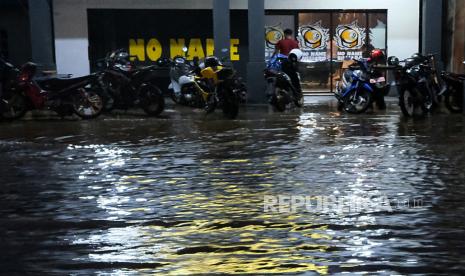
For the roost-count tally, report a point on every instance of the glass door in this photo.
(314, 40)
(349, 41)
(330, 40)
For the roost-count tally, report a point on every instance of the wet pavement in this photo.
(184, 194)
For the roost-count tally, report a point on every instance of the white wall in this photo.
(71, 37)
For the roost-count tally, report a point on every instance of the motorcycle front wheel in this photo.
(152, 100)
(407, 102)
(87, 104)
(454, 101)
(14, 107)
(357, 102)
(231, 105)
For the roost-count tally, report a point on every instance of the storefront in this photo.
(329, 31)
(328, 38)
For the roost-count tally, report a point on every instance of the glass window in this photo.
(377, 26)
(314, 40)
(350, 35)
(329, 41)
(274, 31)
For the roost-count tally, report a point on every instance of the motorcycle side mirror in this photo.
(393, 61)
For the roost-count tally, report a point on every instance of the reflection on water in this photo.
(185, 194)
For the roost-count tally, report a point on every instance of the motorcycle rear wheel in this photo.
(152, 100)
(14, 107)
(88, 104)
(281, 99)
(407, 103)
(299, 102)
(298, 98)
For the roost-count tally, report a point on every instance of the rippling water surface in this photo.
(185, 194)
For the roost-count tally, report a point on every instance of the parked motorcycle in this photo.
(283, 81)
(228, 91)
(453, 91)
(358, 87)
(124, 85)
(415, 80)
(187, 87)
(64, 96)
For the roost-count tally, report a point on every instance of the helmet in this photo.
(418, 57)
(212, 61)
(295, 55)
(121, 57)
(410, 62)
(377, 55)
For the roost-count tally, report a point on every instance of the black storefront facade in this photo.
(82, 32)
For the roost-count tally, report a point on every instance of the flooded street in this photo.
(185, 193)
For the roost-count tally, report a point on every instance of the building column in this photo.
(432, 17)
(221, 28)
(256, 64)
(40, 17)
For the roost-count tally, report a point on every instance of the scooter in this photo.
(186, 87)
(280, 88)
(359, 84)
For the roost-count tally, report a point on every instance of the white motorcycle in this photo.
(185, 87)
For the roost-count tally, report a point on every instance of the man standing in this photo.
(284, 47)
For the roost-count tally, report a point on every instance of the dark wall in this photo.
(14, 26)
(113, 29)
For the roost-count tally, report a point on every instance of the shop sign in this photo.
(152, 49)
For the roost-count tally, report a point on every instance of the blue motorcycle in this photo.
(355, 93)
(281, 89)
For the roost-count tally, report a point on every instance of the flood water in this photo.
(184, 194)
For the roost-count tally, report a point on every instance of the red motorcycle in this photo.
(65, 96)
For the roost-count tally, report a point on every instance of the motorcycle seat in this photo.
(458, 76)
(453, 76)
(61, 83)
(270, 72)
